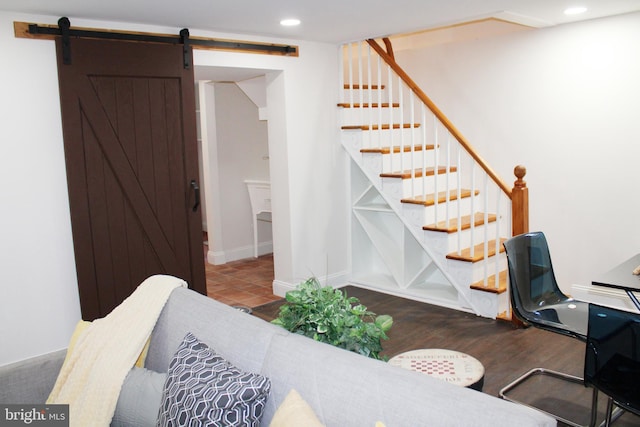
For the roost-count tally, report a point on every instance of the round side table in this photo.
(448, 365)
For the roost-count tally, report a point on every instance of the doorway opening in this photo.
(233, 145)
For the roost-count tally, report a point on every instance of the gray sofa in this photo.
(343, 388)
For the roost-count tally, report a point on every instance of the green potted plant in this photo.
(329, 315)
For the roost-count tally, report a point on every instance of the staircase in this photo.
(428, 215)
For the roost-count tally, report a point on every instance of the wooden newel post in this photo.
(520, 202)
(519, 215)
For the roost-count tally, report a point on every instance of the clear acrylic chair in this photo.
(612, 358)
(537, 300)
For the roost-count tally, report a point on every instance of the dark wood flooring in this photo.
(506, 352)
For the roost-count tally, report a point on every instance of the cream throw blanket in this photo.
(92, 375)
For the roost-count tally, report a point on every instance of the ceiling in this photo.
(332, 21)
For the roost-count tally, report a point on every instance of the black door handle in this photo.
(196, 191)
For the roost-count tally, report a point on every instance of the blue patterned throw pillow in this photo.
(203, 389)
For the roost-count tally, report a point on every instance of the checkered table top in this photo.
(448, 365)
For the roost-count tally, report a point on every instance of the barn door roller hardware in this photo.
(64, 24)
(186, 50)
(64, 30)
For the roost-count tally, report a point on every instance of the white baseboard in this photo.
(216, 258)
(281, 288)
(225, 256)
(601, 295)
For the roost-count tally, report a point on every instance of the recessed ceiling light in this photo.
(575, 10)
(290, 22)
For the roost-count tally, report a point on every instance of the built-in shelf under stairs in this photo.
(427, 223)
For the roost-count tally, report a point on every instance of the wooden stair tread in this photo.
(366, 105)
(429, 200)
(383, 127)
(364, 86)
(396, 149)
(430, 171)
(465, 223)
(491, 284)
(465, 254)
(504, 317)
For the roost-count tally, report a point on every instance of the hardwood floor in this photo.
(506, 352)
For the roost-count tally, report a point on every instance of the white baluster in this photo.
(379, 102)
(370, 91)
(486, 229)
(341, 76)
(402, 142)
(447, 183)
(436, 161)
(412, 142)
(361, 82)
(424, 150)
(473, 206)
(351, 75)
(459, 197)
(498, 221)
(392, 154)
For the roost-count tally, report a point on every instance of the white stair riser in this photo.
(444, 243)
(419, 215)
(388, 137)
(471, 272)
(378, 115)
(404, 188)
(356, 139)
(397, 162)
(373, 164)
(489, 304)
(365, 116)
(364, 96)
(401, 161)
(352, 141)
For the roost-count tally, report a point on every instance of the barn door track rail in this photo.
(64, 30)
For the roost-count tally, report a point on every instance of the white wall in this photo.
(307, 164)
(564, 102)
(201, 166)
(38, 291)
(38, 286)
(243, 153)
(234, 142)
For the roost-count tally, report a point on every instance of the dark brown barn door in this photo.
(128, 113)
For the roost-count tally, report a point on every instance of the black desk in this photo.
(621, 277)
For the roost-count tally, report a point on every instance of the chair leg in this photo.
(594, 407)
(612, 414)
(607, 420)
(559, 375)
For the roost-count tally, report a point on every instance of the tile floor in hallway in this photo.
(246, 282)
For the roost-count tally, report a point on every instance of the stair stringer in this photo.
(467, 300)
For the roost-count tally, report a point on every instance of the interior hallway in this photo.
(246, 282)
